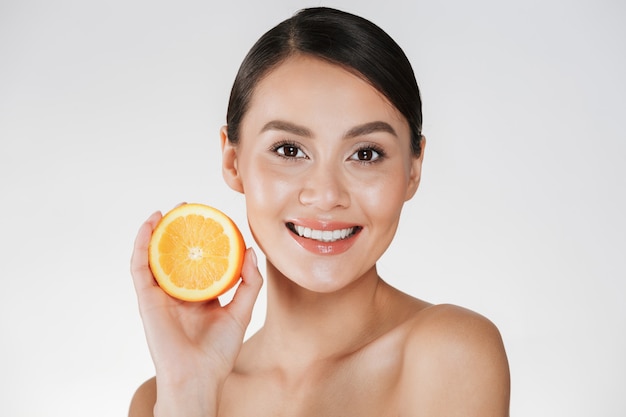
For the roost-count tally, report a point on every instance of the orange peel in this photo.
(196, 252)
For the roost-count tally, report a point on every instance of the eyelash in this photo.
(369, 147)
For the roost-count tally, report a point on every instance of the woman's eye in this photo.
(289, 151)
(366, 155)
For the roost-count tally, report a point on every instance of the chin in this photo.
(319, 278)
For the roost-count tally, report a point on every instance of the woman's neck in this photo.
(308, 327)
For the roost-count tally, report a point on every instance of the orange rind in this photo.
(196, 253)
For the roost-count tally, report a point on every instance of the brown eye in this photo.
(289, 151)
(366, 155)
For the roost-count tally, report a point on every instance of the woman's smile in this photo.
(322, 235)
(325, 238)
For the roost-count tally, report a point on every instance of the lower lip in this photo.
(326, 248)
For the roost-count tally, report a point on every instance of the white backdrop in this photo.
(110, 110)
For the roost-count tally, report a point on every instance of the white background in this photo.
(110, 110)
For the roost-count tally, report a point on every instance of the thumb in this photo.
(248, 291)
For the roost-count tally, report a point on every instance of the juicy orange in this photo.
(196, 253)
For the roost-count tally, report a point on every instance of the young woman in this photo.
(323, 138)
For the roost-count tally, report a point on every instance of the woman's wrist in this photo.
(190, 398)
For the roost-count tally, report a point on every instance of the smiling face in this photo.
(325, 163)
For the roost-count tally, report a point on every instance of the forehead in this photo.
(319, 94)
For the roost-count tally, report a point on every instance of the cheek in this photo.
(265, 188)
(385, 195)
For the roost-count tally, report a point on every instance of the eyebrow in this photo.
(287, 127)
(371, 127)
(360, 130)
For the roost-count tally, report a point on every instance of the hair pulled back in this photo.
(343, 39)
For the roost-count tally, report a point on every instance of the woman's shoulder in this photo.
(455, 357)
(425, 324)
(436, 327)
(452, 333)
(449, 321)
(142, 404)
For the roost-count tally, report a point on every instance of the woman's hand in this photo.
(193, 345)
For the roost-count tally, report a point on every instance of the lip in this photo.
(324, 243)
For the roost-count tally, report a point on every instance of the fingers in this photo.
(139, 266)
(248, 291)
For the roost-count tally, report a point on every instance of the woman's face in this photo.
(325, 163)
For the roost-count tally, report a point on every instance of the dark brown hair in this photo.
(340, 38)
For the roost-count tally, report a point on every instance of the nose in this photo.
(325, 189)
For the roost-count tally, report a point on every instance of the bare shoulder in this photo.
(142, 404)
(454, 364)
(451, 324)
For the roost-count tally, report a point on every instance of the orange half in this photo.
(196, 253)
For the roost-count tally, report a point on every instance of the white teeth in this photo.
(324, 235)
(304, 231)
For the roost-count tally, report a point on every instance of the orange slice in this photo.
(196, 253)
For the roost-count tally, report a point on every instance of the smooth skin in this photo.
(319, 145)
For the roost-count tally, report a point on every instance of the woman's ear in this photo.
(230, 170)
(416, 171)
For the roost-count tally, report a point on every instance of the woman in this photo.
(323, 138)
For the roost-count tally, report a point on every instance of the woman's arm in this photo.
(455, 365)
